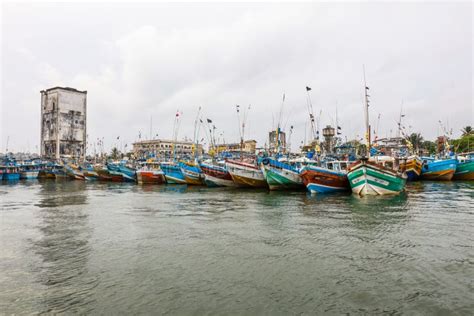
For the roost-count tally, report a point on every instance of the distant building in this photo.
(277, 141)
(63, 123)
(329, 141)
(249, 146)
(165, 148)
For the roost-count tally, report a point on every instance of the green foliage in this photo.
(429, 147)
(115, 153)
(416, 140)
(467, 131)
(464, 144)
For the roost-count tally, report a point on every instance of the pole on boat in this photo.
(366, 112)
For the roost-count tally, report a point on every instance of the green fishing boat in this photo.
(465, 168)
(374, 175)
(370, 178)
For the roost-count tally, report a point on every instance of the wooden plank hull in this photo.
(31, 174)
(439, 170)
(368, 178)
(249, 182)
(322, 180)
(412, 167)
(246, 175)
(216, 176)
(281, 179)
(150, 177)
(464, 171)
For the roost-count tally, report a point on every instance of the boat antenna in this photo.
(400, 120)
(196, 132)
(366, 112)
(175, 132)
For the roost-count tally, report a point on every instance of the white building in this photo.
(63, 123)
(166, 148)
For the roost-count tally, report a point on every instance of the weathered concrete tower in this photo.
(329, 132)
(63, 123)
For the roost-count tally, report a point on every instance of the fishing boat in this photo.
(465, 168)
(109, 175)
(74, 172)
(412, 166)
(192, 173)
(374, 175)
(173, 173)
(246, 174)
(216, 174)
(280, 175)
(328, 178)
(11, 173)
(438, 169)
(150, 173)
(29, 171)
(90, 173)
(128, 173)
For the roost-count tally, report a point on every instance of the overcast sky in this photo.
(147, 60)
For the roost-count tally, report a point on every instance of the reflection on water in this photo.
(109, 248)
(63, 247)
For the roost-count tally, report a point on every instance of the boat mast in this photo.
(279, 124)
(366, 112)
(175, 133)
(311, 112)
(196, 133)
(240, 131)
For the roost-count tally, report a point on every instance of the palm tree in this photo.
(416, 140)
(467, 131)
(115, 153)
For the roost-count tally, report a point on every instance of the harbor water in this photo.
(111, 248)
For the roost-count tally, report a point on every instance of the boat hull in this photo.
(14, 176)
(216, 176)
(412, 167)
(366, 178)
(28, 175)
(46, 174)
(464, 171)
(109, 176)
(173, 174)
(440, 170)
(218, 182)
(282, 179)
(90, 174)
(150, 177)
(246, 175)
(322, 180)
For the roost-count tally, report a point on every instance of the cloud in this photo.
(150, 60)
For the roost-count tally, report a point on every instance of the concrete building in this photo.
(249, 146)
(63, 123)
(164, 148)
(277, 141)
(329, 133)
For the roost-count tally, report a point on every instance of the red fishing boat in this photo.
(151, 173)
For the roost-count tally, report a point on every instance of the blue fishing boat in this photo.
(192, 173)
(128, 174)
(438, 169)
(173, 173)
(11, 173)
